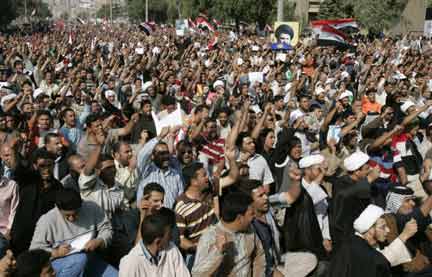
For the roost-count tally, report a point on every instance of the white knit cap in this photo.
(367, 218)
(146, 85)
(311, 160)
(109, 93)
(355, 161)
(37, 92)
(406, 105)
(218, 83)
(8, 97)
(344, 94)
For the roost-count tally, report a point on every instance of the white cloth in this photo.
(368, 218)
(319, 199)
(355, 161)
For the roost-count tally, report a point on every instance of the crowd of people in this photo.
(316, 161)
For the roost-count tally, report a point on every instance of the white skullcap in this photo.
(37, 92)
(7, 98)
(344, 94)
(406, 105)
(319, 90)
(218, 83)
(69, 93)
(146, 85)
(344, 75)
(367, 218)
(311, 160)
(295, 115)
(355, 161)
(109, 93)
(239, 61)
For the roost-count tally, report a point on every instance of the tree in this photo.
(333, 9)
(157, 10)
(377, 16)
(105, 11)
(7, 12)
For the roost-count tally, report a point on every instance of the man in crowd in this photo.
(222, 246)
(73, 219)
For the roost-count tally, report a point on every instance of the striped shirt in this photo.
(193, 216)
(170, 179)
(213, 151)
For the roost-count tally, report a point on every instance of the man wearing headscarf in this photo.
(401, 207)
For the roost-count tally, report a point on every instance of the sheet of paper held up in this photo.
(78, 244)
(171, 120)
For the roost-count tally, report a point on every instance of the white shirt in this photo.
(171, 263)
(319, 199)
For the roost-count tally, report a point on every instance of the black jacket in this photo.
(34, 202)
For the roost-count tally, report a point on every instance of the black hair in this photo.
(189, 172)
(200, 108)
(247, 186)
(168, 215)
(49, 136)
(234, 204)
(92, 118)
(41, 153)
(68, 199)
(278, 98)
(153, 227)
(31, 262)
(168, 100)
(240, 138)
(63, 113)
(116, 146)
(223, 110)
(150, 187)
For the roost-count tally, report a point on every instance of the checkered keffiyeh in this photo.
(396, 196)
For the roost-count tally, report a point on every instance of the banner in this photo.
(286, 33)
(428, 23)
(182, 27)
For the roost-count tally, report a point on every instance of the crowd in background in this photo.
(314, 161)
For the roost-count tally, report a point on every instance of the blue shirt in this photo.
(170, 179)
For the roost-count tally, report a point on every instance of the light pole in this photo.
(146, 10)
(280, 7)
(111, 11)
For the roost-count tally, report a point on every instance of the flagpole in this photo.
(25, 10)
(146, 10)
(111, 11)
(280, 7)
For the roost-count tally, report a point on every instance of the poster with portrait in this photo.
(181, 27)
(285, 33)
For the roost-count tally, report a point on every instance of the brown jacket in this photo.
(419, 261)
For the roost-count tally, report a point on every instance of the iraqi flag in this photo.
(213, 41)
(147, 27)
(329, 36)
(202, 23)
(345, 24)
(217, 23)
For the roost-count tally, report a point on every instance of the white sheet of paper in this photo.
(78, 243)
(139, 51)
(256, 76)
(281, 57)
(334, 132)
(170, 120)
